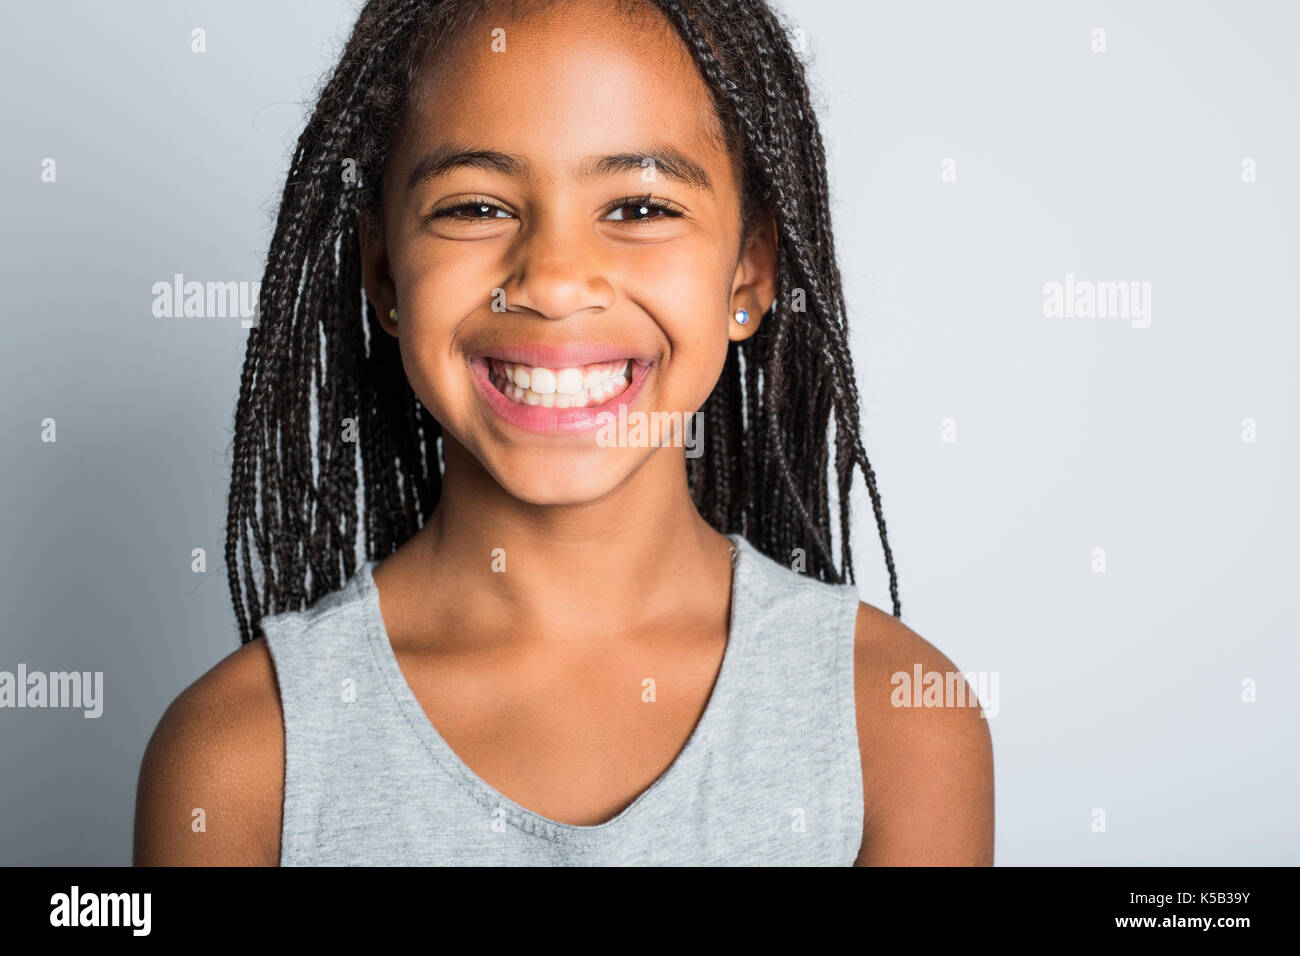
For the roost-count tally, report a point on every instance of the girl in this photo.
(521, 246)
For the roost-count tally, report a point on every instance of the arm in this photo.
(219, 748)
(927, 771)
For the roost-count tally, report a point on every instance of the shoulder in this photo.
(216, 756)
(927, 761)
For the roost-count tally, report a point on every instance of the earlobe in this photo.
(376, 278)
(743, 323)
(754, 290)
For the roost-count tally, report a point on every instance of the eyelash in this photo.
(446, 211)
(670, 210)
(650, 202)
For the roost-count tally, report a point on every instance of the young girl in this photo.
(515, 238)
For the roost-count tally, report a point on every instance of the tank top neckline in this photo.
(497, 802)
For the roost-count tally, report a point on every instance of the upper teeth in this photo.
(560, 388)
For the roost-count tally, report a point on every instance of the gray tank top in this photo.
(771, 774)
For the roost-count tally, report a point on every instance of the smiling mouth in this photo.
(579, 386)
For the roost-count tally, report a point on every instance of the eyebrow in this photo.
(670, 161)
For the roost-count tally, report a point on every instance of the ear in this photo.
(754, 286)
(375, 275)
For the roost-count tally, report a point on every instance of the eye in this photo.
(644, 209)
(479, 210)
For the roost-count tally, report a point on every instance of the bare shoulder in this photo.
(212, 778)
(927, 770)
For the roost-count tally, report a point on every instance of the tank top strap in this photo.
(321, 655)
(333, 700)
(791, 712)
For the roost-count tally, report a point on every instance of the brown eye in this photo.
(644, 209)
(473, 211)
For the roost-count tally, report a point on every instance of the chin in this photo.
(551, 476)
(552, 493)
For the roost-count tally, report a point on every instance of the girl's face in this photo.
(535, 284)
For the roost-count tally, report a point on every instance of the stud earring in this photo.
(742, 317)
(392, 314)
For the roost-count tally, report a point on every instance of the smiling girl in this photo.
(505, 226)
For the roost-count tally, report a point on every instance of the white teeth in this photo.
(571, 387)
(542, 381)
(569, 381)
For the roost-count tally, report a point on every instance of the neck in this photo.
(570, 572)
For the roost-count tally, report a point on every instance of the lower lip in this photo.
(539, 418)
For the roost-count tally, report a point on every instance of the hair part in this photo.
(301, 495)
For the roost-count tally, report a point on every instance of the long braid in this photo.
(302, 525)
(793, 127)
(849, 449)
(303, 497)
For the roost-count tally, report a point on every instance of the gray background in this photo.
(1119, 691)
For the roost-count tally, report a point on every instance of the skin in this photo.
(534, 676)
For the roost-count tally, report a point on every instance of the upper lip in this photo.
(560, 356)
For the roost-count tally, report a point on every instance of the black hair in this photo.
(766, 430)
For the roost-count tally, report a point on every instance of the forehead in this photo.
(565, 80)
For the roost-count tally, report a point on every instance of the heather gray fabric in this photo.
(770, 775)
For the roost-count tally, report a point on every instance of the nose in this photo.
(558, 270)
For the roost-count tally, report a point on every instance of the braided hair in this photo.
(328, 431)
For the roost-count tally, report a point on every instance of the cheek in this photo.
(688, 299)
(436, 299)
